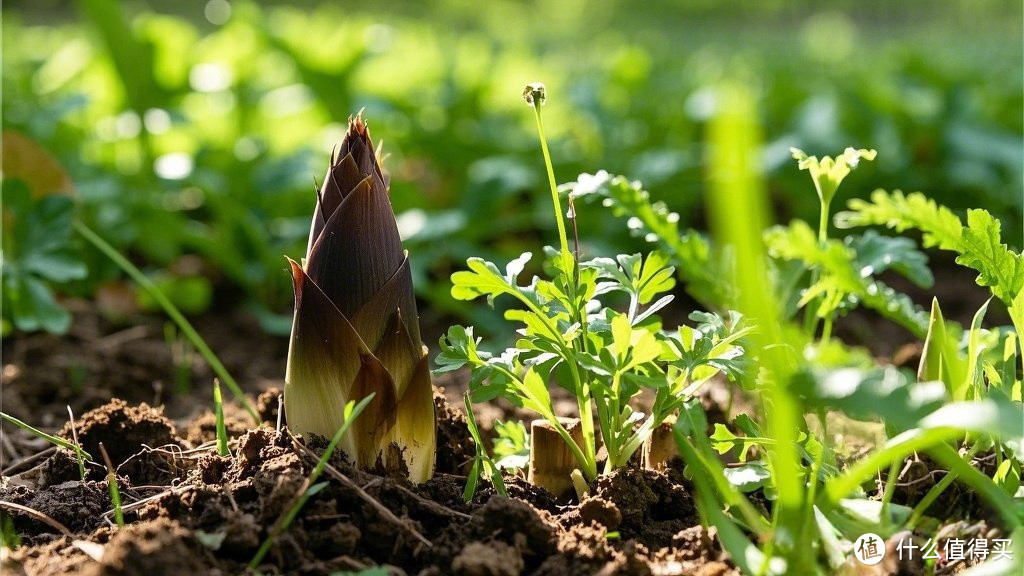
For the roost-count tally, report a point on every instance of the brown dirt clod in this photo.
(488, 559)
(128, 434)
(152, 548)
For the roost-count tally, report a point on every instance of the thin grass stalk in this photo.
(890, 489)
(115, 493)
(48, 437)
(1002, 502)
(218, 411)
(705, 472)
(481, 459)
(172, 311)
(309, 487)
(929, 498)
(739, 213)
(934, 442)
(78, 445)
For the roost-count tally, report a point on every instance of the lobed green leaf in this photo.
(978, 244)
(484, 279)
(689, 251)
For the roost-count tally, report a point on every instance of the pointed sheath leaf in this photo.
(398, 352)
(376, 316)
(356, 329)
(347, 174)
(940, 359)
(359, 249)
(371, 430)
(323, 360)
(357, 142)
(342, 177)
(415, 428)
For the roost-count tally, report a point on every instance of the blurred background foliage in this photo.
(192, 132)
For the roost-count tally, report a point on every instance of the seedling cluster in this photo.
(593, 328)
(774, 294)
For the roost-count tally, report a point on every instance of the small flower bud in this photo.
(535, 92)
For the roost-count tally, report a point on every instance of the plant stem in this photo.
(218, 411)
(890, 489)
(811, 310)
(580, 388)
(562, 237)
(183, 324)
(535, 95)
(115, 493)
(813, 481)
(826, 331)
(933, 494)
(309, 487)
(78, 446)
(48, 437)
(588, 465)
(579, 484)
(823, 223)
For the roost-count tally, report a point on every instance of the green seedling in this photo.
(172, 311)
(483, 465)
(827, 174)
(78, 447)
(511, 445)
(82, 454)
(115, 492)
(601, 355)
(310, 487)
(218, 411)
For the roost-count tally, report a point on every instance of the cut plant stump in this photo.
(551, 460)
(660, 447)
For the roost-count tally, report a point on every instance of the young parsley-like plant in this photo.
(570, 337)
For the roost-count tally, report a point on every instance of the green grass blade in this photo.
(934, 441)
(218, 411)
(310, 487)
(115, 492)
(78, 445)
(172, 311)
(49, 438)
(1009, 510)
(482, 459)
(738, 207)
(748, 557)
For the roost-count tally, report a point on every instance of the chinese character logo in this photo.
(869, 549)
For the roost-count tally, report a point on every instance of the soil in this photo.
(189, 510)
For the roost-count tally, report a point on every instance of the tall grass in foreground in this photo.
(172, 311)
(739, 213)
(819, 509)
